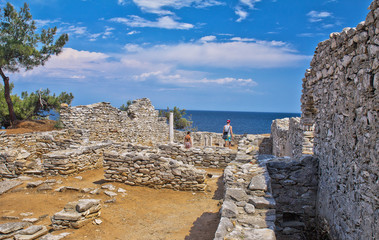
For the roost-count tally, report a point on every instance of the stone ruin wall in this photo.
(289, 138)
(294, 185)
(141, 166)
(340, 97)
(268, 197)
(205, 138)
(139, 124)
(24, 153)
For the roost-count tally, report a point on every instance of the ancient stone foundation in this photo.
(147, 168)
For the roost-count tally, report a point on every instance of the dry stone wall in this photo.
(210, 157)
(248, 209)
(23, 153)
(205, 138)
(340, 97)
(139, 124)
(142, 166)
(294, 185)
(79, 147)
(288, 138)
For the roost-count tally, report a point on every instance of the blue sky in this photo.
(236, 55)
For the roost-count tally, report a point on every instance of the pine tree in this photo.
(22, 47)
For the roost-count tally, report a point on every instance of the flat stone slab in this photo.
(109, 187)
(7, 185)
(54, 237)
(262, 202)
(110, 193)
(12, 226)
(252, 234)
(259, 182)
(34, 184)
(31, 233)
(237, 194)
(69, 216)
(85, 204)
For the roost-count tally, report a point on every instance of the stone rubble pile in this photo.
(76, 214)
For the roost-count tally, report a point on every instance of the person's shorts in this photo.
(228, 138)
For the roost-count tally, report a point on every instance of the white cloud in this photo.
(42, 23)
(241, 10)
(208, 39)
(133, 32)
(173, 65)
(156, 6)
(121, 2)
(230, 80)
(77, 30)
(315, 16)
(165, 22)
(132, 47)
(249, 3)
(242, 14)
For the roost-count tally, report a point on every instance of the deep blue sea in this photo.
(242, 122)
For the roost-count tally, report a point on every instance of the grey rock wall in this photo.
(340, 97)
(294, 185)
(289, 139)
(248, 209)
(139, 124)
(145, 167)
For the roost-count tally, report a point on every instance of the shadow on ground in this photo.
(219, 193)
(204, 227)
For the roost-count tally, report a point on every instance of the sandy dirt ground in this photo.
(31, 126)
(140, 213)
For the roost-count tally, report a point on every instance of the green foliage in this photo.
(19, 41)
(179, 121)
(21, 47)
(125, 108)
(32, 106)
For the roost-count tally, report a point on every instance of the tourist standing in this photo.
(227, 134)
(188, 140)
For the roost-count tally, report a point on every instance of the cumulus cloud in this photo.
(175, 65)
(315, 16)
(165, 22)
(233, 54)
